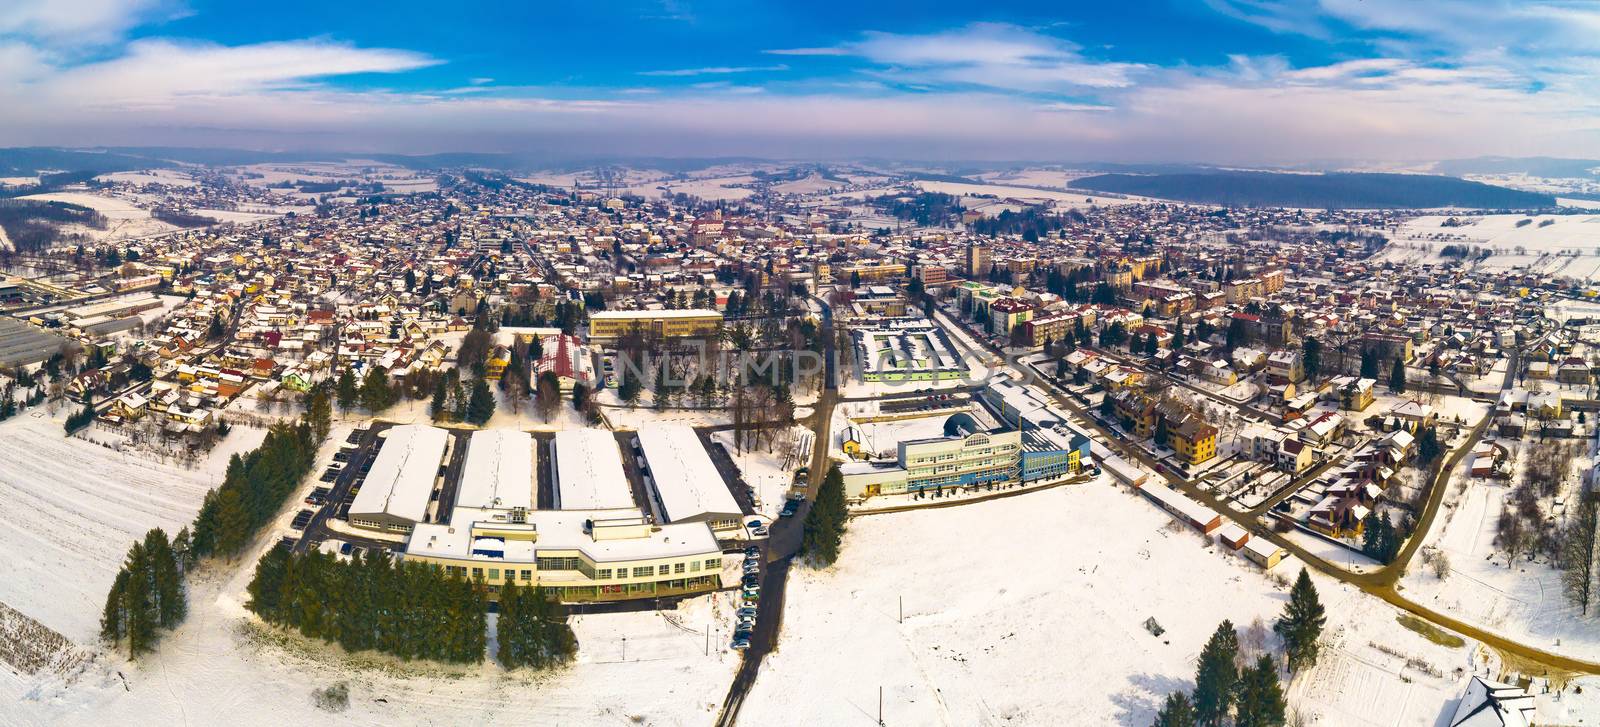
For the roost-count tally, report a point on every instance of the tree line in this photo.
(148, 592)
(531, 630)
(410, 610)
(254, 488)
(825, 523)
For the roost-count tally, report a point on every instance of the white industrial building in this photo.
(597, 545)
(683, 482)
(498, 472)
(589, 474)
(400, 484)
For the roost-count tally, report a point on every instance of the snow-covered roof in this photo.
(589, 473)
(558, 530)
(1493, 704)
(686, 482)
(498, 472)
(402, 475)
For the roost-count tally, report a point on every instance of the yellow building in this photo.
(611, 325)
(1194, 440)
(495, 366)
(873, 272)
(576, 555)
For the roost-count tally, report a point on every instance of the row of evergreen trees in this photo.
(82, 417)
(824, 525)
(453, 403)
(1380, 539)
(149, 591)
(532, 631)
(1226, 684)
(410, 610)
(147, 594)
(255, 487)
(8, 400)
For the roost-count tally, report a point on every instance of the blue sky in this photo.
(1230, 81)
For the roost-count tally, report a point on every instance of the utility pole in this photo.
(880, 705)
(902, 609)
(708, 639)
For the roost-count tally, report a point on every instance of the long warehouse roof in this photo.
(589, 472)
(687, 483)
(400, 482)
(498, 473)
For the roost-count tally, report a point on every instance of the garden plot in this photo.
(73, 509)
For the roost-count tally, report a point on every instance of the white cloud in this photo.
(989, 55)
(67, 23)
(161, 72)
(715, 70)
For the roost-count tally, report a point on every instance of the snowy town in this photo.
(690, 432)
(673, 363)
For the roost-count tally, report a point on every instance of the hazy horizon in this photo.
(1247, 82)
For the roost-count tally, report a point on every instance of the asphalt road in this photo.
(784, 538)
(317, 530)
(1378, 583)
(452, 475)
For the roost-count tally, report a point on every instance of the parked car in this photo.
(760, 532)
(740, 644)
(752, 552)
(747, 611)
(789, 508)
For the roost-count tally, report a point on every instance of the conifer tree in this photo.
(319, 411)
(1217, 677)
(233, 523)
(112, 627)
(204, 542)
(1261, 701)
(825, 523)
(375, 392)
(1301, 623)
(166, 581)
(1397, 376)
(138, 612)
(1176, 712)
(346, 390)
(480, 406)
(439, 408)
(556, 637)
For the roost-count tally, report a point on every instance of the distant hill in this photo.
(1531, 166)
(31, 160)
(1317, 191)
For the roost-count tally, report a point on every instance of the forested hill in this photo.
(1342, 190)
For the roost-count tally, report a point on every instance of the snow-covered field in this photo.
(1543, 246)
(124, 220)
(172, 177)
(221, 666)
(72, 509)
(1522, 600)
(1062, 199)
(1030, 610)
